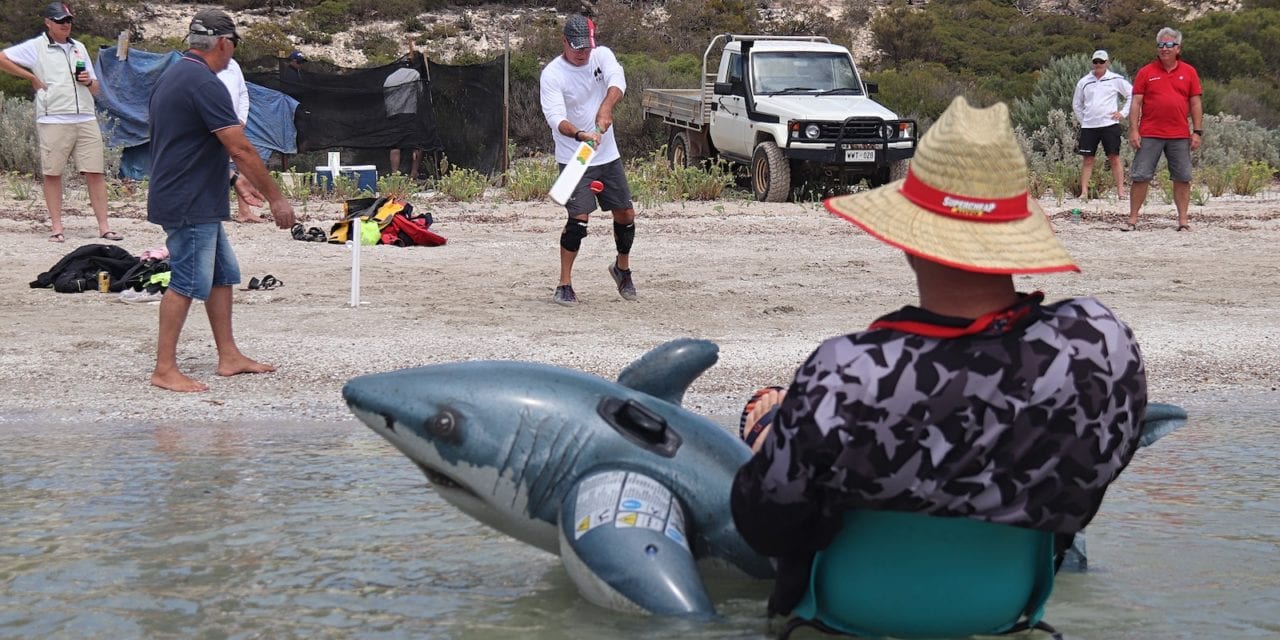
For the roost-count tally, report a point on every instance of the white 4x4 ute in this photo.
(792, 109)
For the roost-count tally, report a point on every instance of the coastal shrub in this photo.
(531, 178)
(18, 131)
(460, 184)
(266, 38)
(378, 47)
(1229, 140)
(698, 183)
(1250, 178)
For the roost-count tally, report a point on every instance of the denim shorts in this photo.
(1177, 151)
(200, 258)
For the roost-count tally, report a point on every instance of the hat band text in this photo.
(955, 205)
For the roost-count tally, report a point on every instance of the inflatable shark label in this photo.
(628, 500)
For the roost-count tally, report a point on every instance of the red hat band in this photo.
(963, 207)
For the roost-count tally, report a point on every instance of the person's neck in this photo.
(1169, 66)
(54, 39)
(962, 294)
(1100, 73)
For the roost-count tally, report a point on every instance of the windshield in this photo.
(803, 72)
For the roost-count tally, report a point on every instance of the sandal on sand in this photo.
(267, 282)
(57, 237)
(111, 235)
(1183, 227)
(1128, 226)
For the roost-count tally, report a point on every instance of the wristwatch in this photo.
(1199, 132)
(234, 177)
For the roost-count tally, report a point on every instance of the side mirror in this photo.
(871, 87)
(723, 89)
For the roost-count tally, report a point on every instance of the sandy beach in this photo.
(766, 282)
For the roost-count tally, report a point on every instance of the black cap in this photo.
(212, 22)
(57, 11)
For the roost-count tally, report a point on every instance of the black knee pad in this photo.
(574, 231)
(623, 236)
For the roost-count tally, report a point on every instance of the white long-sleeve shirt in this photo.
(575, 94)
(1097, 99)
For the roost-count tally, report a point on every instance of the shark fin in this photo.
(1161, 420)
(623, 543)
(667, 371)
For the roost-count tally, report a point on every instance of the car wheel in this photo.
(770, 173)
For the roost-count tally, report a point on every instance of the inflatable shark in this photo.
(629, 488)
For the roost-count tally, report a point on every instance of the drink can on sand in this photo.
(104, 281)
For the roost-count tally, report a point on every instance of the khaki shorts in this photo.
(59, 141)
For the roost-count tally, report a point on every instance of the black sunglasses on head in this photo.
(1099, 61)
(66, 20)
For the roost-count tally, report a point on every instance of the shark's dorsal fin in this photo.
(667, 371)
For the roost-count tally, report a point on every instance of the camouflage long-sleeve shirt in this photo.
(1022, 417)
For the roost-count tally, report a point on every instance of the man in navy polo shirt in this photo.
(194, 129)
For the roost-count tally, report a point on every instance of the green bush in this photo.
(1228, 141)
(1250, 178)
(460, 184)
(18, 131)
(531, 178)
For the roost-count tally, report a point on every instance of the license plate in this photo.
(851, 155)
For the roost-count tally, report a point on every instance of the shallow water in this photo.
(323, 530)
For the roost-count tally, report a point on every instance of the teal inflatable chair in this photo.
(908, 575)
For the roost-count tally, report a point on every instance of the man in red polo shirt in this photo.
(1163, 93)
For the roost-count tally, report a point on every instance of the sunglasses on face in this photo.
(1099, 61)
(66, 20)
(1166, 45)
(235, 40)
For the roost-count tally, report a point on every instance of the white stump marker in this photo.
(335, 166)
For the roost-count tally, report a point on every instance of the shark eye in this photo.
(444, 425)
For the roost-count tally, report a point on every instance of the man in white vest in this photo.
(62, 75)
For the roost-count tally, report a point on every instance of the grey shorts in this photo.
(615, 195)
(1176, 151)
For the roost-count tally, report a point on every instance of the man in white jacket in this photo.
(1100, 103)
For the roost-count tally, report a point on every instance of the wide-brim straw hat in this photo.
(964, 202)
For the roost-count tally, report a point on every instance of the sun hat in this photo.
(964, 202)
(580, 31)
(1100, 55)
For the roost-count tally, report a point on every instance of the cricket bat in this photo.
(573, 171)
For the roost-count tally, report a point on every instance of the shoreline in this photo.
(767, 282)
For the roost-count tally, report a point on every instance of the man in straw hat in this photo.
(981, 402)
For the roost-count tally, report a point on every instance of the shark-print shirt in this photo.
(1022, 417)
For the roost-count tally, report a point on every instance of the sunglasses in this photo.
(235, 40)
(1166, 45)
(66, 20)
(1099, 61)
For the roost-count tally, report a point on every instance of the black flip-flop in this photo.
(316, 234)
(265, 283)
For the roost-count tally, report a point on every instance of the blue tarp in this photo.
(126, 91)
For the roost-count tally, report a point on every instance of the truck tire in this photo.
(896, 170)
(680, 151)
(770, 173)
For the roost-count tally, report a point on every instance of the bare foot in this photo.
(251, 219)
(175, 380)
(240, 364)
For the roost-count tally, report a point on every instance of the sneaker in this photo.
(623, 279)
(139, 297)
(564, 296)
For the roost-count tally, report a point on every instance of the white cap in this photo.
(1100, 55)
